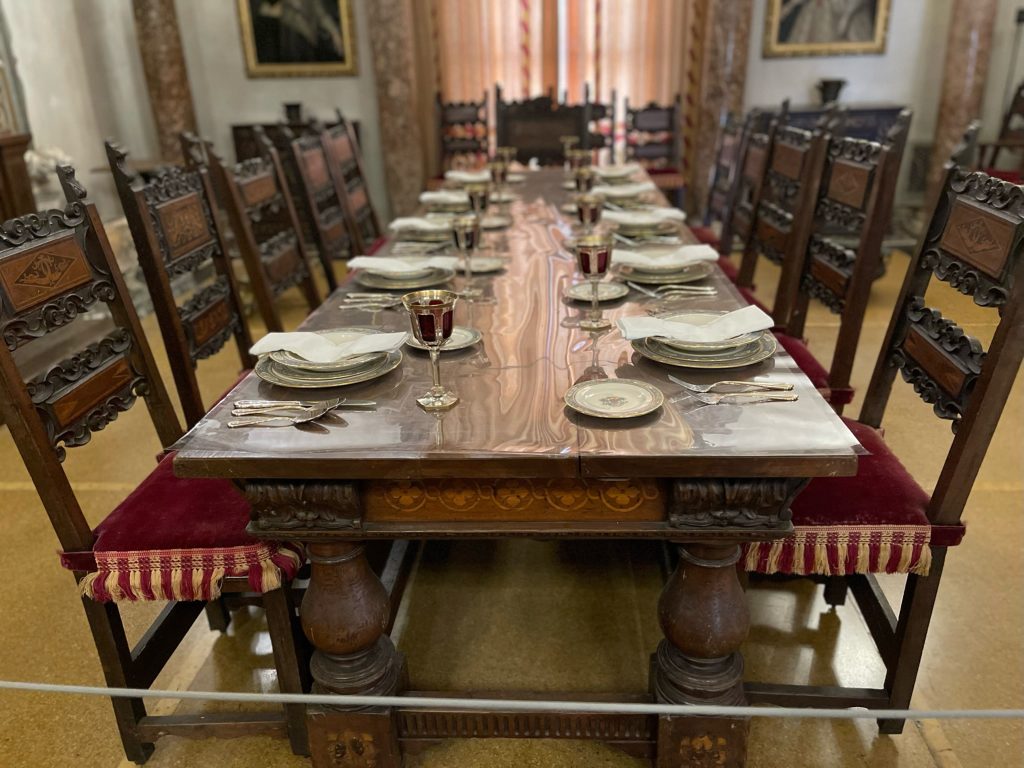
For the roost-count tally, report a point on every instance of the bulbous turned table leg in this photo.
(345, 614)
(703, 613)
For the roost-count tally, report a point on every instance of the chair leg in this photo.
(217, 615)
(748, 266)
(836, 588)
(911, 633)
(289, 662)
(115, 658)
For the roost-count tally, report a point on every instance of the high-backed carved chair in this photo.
(345, 164)
(533, 126)
(317, 199)
(171, 539)
(1011, 137)
(848, 221)
(462, 130)
(259, 206)
(599, 119)
(654, 139)
(720, 188)
(881, 520)
(755, 146)
(172, 222)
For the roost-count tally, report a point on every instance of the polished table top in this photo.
(512, 421)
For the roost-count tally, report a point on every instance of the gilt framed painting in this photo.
(298, 38)
(825, 27)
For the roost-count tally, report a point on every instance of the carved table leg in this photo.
(703, 613)
(345, 614)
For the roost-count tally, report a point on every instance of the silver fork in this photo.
(311, 415)
(741, 398)
(752, 386)
(704, 290)
(253, 407)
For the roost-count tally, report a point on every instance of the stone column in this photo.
(393, 42)
(156, 24)
(963, 78)
(723, 76)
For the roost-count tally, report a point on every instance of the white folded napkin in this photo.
(468, 177)
(389, 265)
(444, 197)
(680, 257)
(648, 218)
(727, 326)
(625, 190)
(317, 348)
(616, 171)
(420, 223)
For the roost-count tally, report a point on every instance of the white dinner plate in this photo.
(739, 357)
(282, 376)
(702, 317)
(614, 398)
(461, 338)
(483, 264)
(688, 274)
(495, 221)
(605, 292)
(376, 280)
(291, 360)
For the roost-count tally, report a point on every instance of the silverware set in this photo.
(285, 413)
(742, 392)
(674, 290)
(648, 240)
(371, 301)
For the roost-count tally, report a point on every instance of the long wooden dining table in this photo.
(511, 460)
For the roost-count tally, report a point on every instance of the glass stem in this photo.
(435, 368)
(467, 256)
(595, 297)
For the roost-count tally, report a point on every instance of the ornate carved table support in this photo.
(704, 616)
(345, 615)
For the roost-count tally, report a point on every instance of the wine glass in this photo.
(594, 256)
(479, 195)
(499, 177)
(588, 210)
(578, 158)
(431, 314)
(466, 236)
(584, 178)
(506, 154)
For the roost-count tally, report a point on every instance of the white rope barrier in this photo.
(521, 705)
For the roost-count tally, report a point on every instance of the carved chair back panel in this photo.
(750, 183)
(787, 174)
(973, 244)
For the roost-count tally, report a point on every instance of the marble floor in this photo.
(474, 617)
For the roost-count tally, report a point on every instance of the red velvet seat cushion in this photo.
(1012, 176)
(872, 522)
(705, 235)
(175, 539)
(728, 267)
(376, 246)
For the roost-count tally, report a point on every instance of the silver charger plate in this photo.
(701, 317)
(688, 274)
(614, 398)
(504, 197)
(605, 291)
(411, 234)
(461, 338)
(516, 178)
(376, 280)
(291, 360)
(273, 373)
(640, 231)
(739, 357)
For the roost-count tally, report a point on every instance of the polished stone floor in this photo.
(475, 618)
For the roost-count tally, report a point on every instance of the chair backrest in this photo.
(345, 164)
(965, 153)
(462, 132)
(56, 266)
(653, 134)
(317, 198)
(599, 121)
(848, 221)
(176, 234)
(1011, 130)
(973, 245)
(723, 172)
(259, 205)
(755, 145)
(534, 126)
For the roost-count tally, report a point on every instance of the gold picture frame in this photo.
(804, 28)
(298, 38)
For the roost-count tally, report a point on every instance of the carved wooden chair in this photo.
(345, 164)
(317, 199)
(723, 178)
(599, 120)
(1011, 137)
(259, 206)
(533, 126)
(171, 539)
(176, 234)
(654, 139)
(462, 130)
(848, 218)
(881, 520)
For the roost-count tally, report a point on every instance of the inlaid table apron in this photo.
(512, 460)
